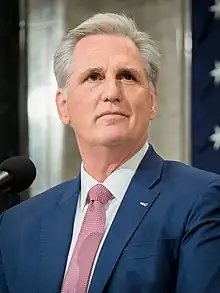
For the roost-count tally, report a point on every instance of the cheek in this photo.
(141, 113)
(72, 108)
(139, 102)
(80, 108)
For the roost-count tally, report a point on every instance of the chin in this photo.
(114, 140)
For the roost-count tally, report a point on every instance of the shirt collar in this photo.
(117, 182)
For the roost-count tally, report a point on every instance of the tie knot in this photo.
(100, 193)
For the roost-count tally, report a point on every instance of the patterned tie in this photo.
(90, 236)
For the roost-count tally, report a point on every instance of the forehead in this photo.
(106, 50)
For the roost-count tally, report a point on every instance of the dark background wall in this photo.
(9, 79)
(13, 97)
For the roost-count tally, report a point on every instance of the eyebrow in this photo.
(119, 70)
(90, 70)
(130, 69)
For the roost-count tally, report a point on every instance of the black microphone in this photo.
(16, 174)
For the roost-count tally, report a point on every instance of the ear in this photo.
(61, 102)
(153, 105)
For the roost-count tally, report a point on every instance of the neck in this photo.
(101, 161)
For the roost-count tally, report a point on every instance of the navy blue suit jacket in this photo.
(169, 244)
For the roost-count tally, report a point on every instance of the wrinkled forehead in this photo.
(106, 51)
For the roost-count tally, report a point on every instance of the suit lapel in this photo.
(136, 203)
(56, 234)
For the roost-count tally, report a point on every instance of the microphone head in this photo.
(22, 171)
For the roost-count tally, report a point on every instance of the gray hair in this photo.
(112, 24)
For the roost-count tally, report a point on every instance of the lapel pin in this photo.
(144, 204)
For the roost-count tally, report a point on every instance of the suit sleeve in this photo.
(3, 287)
(199, 260)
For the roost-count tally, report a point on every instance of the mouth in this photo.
(113, 114)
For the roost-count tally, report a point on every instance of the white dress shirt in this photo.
(117, 183)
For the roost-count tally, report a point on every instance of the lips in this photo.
(113, 113)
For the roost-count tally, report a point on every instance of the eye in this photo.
(126, 75)
(94, 76)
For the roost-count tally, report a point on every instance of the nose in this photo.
(111, 91)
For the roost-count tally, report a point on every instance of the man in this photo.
(131, 221)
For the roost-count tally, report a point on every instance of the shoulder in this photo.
(175, 172)
(180, 171)
(189, 181)
(37, 206)
(188, 193)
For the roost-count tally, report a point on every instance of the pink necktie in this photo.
(90, 236)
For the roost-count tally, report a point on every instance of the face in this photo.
(108, 100)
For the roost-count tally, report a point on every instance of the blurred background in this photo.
(187, 127)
